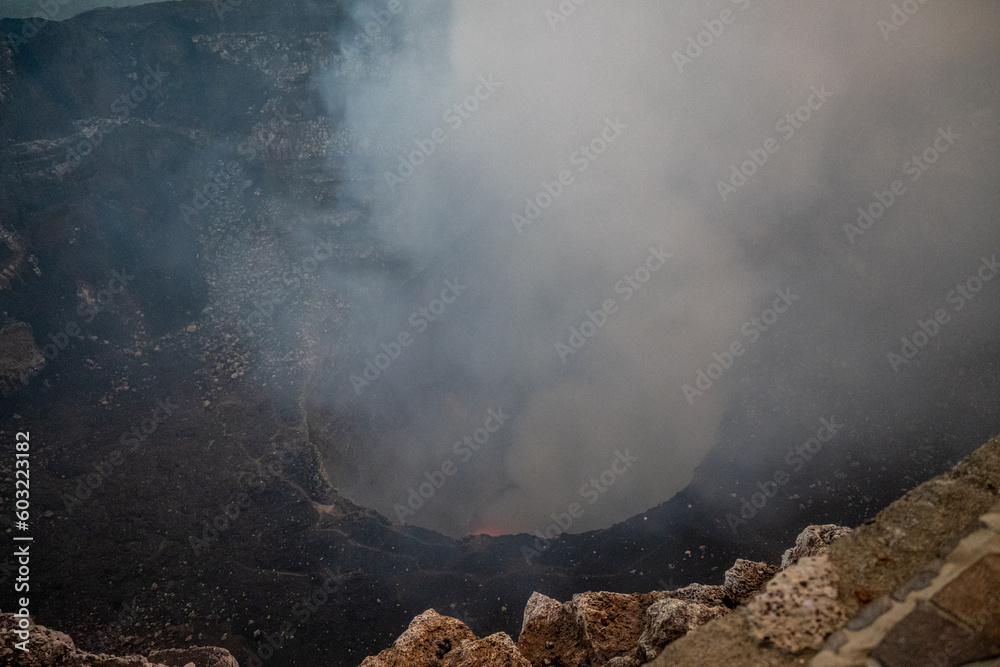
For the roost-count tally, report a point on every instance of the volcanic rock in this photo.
(51, 648)
(551, 634)
(799, 607)
(497, 650)
(615, 628)
(813, 541)
(712, 596)
(19, 356)
(746, 578)
(425, 643)
(671, 619)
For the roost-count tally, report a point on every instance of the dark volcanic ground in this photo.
(234, 113)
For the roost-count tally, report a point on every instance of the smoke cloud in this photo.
(597, 214)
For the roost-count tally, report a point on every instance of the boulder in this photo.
(611, 622)
(201, 656)
(799, 607)
(712, 596)
(671, 619)
(813, 541)
(746, 578)
(551, 633)
(497, 650)
(51, 648)
(428, 639)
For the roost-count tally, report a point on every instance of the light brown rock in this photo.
(798, 608)
(711, 596)
(670, 619)
(746, 578)
(428, 639)
(497, 650)
(611, 622)
(592, 628)
(201, 656)
(550, 633)
(813, 541)
(51, 648)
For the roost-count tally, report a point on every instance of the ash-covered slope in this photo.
(143, 232)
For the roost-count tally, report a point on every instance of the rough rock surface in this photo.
(497, 650)
(51, 648)
(19, 356)
(615, 629)
(671, 619)
(623, 661)
(712, 596)
(813, 541)
(425, 642)
(746, 578)
(550, 634)
(207, 656)
(611, 622)
(799, 607)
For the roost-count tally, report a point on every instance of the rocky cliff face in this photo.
(619, 630)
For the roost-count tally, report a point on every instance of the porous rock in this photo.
(428, 639)
(550, 633)
(813, 541)
(746, 578)
(799, 607)
(201, 656)
(497, 650)
(712, 596)
(51, 648)
(611, 622)
(671, 619)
